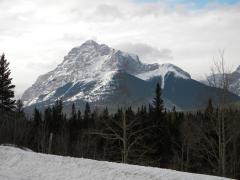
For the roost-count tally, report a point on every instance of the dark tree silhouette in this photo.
(6, 87)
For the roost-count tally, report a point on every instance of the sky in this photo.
(35, 35)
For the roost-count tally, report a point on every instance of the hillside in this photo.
(19, 164)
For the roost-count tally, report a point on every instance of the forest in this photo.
(200, 141)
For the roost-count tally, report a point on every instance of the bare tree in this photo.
(128, 132)
(220, 77)
(183, 149)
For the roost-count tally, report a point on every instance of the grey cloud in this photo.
(48, 29)
(155, 9)
(146, 52)
(72, 38)
(107, 12)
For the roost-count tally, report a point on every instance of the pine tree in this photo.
(87, 115)
(79, 119)
(19, 107)
(37, 117)
(87, 111)
(79, 116)
(73, 131)
(73, 113)
(209, 109)
(58, 117)
(6, 87)
(48, 118)
(105, 114)
(156, 109)
(35, 136)
(157, 101)
(158, 136)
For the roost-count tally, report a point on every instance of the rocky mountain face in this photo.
(234, 81)
(103, 76)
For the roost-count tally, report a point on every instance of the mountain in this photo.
(103, 76)
(234, 80)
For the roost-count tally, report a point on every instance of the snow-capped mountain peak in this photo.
(90, 42)
(88, 72)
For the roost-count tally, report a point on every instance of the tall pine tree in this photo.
(57, 116)
(73, 113)
(87, 116)
(157, 135)
(19, 107)
(6, 87)
(158, 102)
(73, 131)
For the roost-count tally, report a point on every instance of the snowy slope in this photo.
(162, 71)
(88, 72)
(17, 164)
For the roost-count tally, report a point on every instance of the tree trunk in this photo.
(50, 143)
(223, 148)
(124, 140)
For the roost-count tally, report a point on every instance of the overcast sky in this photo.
(36, 34)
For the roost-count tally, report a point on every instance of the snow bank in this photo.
(17, 164)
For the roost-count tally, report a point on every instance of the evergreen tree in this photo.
(48, 119)
(79, 120)
(73, 113)
(129, 114)
(37, 117)
(6, 87)
(87, 115)
(57, 116)
(158, 106)
(73, 131)
(79, 116)
(87, 111)
(19, 107)
(35, 135)
(104, 118)
(174, 109)
(105, 115)
(209, 109)
(94, 118)
(158, 136)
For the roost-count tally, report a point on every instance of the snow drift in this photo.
(18, 164)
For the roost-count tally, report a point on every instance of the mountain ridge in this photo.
(93, 62)
(233, 77)
(101, 75)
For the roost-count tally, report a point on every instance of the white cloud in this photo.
(42, 32)
(146, 52)
(106, 12)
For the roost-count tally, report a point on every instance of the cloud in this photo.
(146, 52)
(41, 66)
(72, 38)
(39, 33)
(107, 12)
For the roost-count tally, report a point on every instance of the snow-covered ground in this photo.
(18, 164)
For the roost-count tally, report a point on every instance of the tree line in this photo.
(204, 141)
